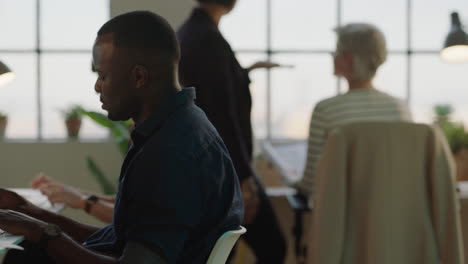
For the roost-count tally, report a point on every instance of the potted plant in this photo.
(3, 124)
(73, 117)
(120, 131)
(457, 138)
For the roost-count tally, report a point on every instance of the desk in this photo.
(288, 156)
(8, 241)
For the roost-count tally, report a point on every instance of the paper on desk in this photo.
(280, 191)
(288, 157)
(10, 241)
(463, 189)
(38, 199)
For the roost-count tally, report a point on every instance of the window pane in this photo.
(245, 27)
(258, 91)
(388, 16)
(66, 80)
(432, 21)
(303, 24)
(435, 82)
(65, 25)
(18, 98)
(297, 90)
(18, 20)
(391, 76)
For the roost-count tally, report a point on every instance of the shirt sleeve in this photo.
(214, 80)
(315, 144)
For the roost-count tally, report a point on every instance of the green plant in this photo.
(119, 129)
(121, 136)
(106, 185)
(456, 136)
(72, 112)
(443, 112)
(455, 133)
(3, 116)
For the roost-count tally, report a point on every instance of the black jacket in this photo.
(209, 64)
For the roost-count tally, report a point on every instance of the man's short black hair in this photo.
(146, 32)
(226, 3)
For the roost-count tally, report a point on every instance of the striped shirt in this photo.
(354, 106)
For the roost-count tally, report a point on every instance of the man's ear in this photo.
(140, 76)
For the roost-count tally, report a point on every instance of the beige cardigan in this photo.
(386, 195)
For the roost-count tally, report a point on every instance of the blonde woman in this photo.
(360, 50)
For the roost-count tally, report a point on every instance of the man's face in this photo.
(114, 84)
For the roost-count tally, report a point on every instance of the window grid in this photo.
(269, 52)
(39, 52)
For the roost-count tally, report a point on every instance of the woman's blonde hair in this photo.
(367, 45)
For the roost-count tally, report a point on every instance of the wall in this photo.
(175, 11)
(65, 162)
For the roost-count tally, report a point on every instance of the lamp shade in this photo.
(6, 75)
(456, 44)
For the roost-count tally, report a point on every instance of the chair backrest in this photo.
(385, 190)
(224, 245)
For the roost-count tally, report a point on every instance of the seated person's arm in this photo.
(107, 198)
(63, 249)
(101, 206)
(102, 210)
(13, 201)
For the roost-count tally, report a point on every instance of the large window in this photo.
(300, 32)
(47, 43)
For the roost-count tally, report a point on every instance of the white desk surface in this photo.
(463, 189)
(37, 198)
(288, 156)
(8, 241)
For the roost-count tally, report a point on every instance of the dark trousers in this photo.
(31, 254)
(264, 234)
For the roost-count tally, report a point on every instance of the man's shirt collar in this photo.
(155, 121)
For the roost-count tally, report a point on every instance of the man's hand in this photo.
(57, 192)
(20, 224)
(263, 65)
(11, 200)
(251, 200)
(41, 179)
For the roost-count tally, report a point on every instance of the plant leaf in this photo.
(107, 186)
(98, 118)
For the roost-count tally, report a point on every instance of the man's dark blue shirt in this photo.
(178, 190)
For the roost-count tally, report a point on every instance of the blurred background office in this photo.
(47, 44)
